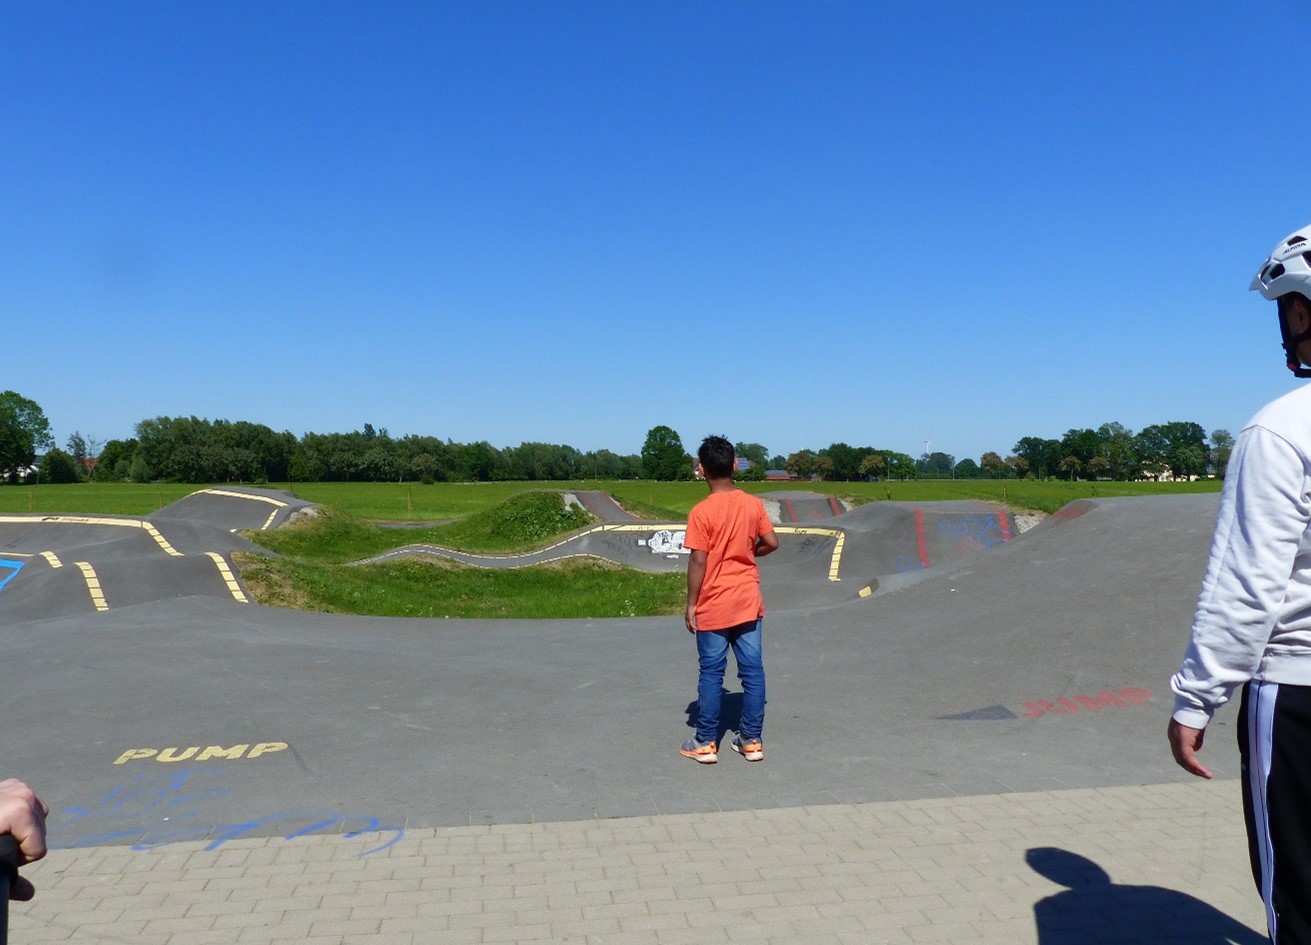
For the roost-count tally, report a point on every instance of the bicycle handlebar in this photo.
(8, 874)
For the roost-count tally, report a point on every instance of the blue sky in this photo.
(794, 223)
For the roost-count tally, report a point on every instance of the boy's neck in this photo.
(721, 485)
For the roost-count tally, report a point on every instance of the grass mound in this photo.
(312, 572)
(521, 523)
(527, 520)
(413, 588)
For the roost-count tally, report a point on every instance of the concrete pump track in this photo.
(912, 651)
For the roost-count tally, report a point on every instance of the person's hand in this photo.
(689, 618)
(1185, 743)
(23, 815)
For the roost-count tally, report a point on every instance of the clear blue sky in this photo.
(790, 222)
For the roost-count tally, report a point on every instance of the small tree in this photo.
(754, 452)
(873, 465)
(966, 469)
(801, 464)
(1222, 444)
(59, 467)
(139, 469)
(24, 432)
(663, 456)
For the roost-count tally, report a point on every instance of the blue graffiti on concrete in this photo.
(975, 532)
(13, 567)
(905, 563)
(159, 810)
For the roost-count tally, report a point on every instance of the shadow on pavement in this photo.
(1094, 909)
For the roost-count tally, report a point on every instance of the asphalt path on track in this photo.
(178, 713)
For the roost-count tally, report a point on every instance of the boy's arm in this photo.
(766, 544)
(696, 573)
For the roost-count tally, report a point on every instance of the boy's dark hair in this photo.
(716, 456)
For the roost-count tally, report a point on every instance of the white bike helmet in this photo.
(1288, 270)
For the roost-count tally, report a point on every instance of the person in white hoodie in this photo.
(1252, 625)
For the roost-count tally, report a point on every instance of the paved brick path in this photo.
(1155, 864)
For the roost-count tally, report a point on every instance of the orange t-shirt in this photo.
(725, 525)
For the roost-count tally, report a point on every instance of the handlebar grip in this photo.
(8, 874)
(9, 861)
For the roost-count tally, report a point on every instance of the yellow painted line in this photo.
(837, 557)
(161, 540)
(14, 554)
(67, 520)
(242, 495)
(53, 559)
(276, 503)
(85, 520)
(840, 540)
(228, 578)
(93, 585)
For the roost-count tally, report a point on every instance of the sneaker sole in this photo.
(702, 758)
(749, 755)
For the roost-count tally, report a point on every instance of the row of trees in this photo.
(188, 449)
(1179, 449)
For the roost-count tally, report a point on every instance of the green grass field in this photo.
(448, 501)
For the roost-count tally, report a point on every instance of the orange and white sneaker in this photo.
(749, 748)
(703, 752)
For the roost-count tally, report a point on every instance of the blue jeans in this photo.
(712, 651)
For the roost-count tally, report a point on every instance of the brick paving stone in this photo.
(900, 872)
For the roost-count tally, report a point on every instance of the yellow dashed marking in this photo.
(866, 591)
(840, 539)
(83, 520)
(53, 559)
(161, 540)
(93, 585)
(228, 578)
(276, 503)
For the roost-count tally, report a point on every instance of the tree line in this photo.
(1178, 449)
(190, 449)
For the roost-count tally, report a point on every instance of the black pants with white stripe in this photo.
(1274, 742)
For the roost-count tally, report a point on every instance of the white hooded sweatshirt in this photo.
(1253, 617)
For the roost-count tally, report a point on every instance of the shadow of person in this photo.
(730, 712)
(1092, 909)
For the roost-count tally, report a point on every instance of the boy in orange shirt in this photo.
(726, 532)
